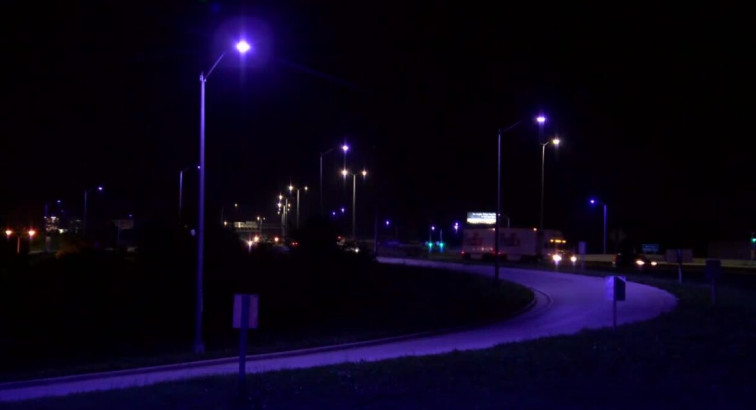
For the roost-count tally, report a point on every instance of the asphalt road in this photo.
(565, 304)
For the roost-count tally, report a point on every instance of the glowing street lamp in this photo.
(8, 233)
(199, 346)
(345, 173)
(291, 189)
(345, 148)
(555, 142)
(593, 201)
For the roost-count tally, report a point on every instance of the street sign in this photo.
(615, 288)
(251, 303)
(615, 291)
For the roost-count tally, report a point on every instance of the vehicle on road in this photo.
(515, 244)
(629, 257)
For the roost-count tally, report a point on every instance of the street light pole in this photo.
(498, 210)
(346, 173)
(86, 202)
(498, 201)
(594, 202)
(293, 188)
(354, 208)
(555, 142)
(604, 229)
(199, 345)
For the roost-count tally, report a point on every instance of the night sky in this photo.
(653, 106)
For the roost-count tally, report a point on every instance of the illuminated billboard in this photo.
(481, 218)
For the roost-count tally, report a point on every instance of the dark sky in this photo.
(653, 106)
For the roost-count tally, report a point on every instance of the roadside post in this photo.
(615, 291)
(581, 252)
(679, 266)
(713, 271)
(244, 318)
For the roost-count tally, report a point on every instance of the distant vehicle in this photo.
(515, 244)
(631, 258)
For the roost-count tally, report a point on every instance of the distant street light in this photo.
(181, 189)
(86, 200)
(594, 202)
(291, 189)
(345, 173)
(199, 346)
(345, 148)
(555, 142)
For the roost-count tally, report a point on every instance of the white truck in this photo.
(514, 243)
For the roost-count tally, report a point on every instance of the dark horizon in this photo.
(650, 105)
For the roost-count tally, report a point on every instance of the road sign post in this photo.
(615, 291)
(244, 318)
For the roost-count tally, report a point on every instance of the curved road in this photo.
(565, 304)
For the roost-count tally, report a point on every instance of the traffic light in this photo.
(753, 238)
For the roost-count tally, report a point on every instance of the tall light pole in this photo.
(594, 202)
(555, 142)
(345, 173)
(291, 189)
(199, 346)
(498, 201)
(283, 208)
(260, 221)
(86, 201)
(181, 190)
(322, 154)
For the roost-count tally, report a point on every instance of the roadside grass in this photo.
(698, 356)
(368, 301)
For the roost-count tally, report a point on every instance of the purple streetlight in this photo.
(199, 346)
(345, 148)
(593, 201)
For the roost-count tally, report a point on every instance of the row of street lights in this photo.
(10, 232)
(540, 120)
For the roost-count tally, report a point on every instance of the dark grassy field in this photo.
(696, 357)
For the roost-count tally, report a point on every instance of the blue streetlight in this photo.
(594, 201)
(199, 346)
